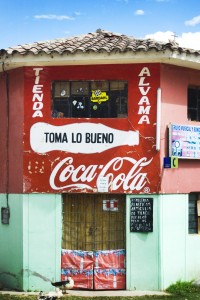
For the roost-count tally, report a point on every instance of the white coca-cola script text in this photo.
(129, 178)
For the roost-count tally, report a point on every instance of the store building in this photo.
(99, 163)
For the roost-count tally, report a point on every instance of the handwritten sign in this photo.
(141, 215)
(102, 184)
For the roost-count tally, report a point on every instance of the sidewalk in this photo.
(84, 293)
(115, 293)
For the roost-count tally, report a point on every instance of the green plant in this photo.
(183, 288)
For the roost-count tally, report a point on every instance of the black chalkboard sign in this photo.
(141, 215)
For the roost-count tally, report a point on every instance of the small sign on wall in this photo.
(141, 215)
(110, 205)
(102, 184)
(5, 215)
(171, 162)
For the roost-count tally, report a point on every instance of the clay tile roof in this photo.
(99, 41)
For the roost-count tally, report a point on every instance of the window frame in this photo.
(193, 109)
(117, 99)
(194, 213)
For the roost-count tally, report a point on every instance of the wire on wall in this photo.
(7, 210)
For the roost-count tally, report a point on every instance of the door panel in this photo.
(87, 226)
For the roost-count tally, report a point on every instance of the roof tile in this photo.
(99, 41)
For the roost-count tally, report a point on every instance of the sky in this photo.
(28, 21)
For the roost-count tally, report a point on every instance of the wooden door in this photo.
(90, 224)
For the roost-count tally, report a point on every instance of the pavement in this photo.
(118, 293)
(84, 293)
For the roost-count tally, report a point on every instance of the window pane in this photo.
(192, 213)
(99, 99)
(90, 99)
(61, 89)
(100, 85)
(193, 114)
(118, 95)
(80, 88)
(79, 106)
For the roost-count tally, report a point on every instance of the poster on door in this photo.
(91, 129)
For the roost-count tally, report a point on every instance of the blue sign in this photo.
(171, 162)
(167, 162)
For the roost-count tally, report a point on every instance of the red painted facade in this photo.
(11, 133)
(174, 84)
(27, 166)
(127, 167)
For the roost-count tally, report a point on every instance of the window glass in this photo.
(192, 213)
(89, 99)
(194, 103)
(61, 89)
(80, 88)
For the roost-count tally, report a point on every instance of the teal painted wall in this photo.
(31, 244)
(173, 238)
(42, 224)
(159, 259)
(142, 253)
(179, 249)
(11, 244)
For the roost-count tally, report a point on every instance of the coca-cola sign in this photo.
(82, 177)
(79, 137)
(91, 155)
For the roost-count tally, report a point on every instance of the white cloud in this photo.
(139, 12)
(53, 17)
(193, 22)
(190, 40)
(185, 40)
(161, 36)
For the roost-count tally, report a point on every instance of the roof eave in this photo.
(184, 59)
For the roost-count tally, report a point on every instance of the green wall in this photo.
(11, 243)
(173, 238)
(142, 253)
(168, 254)
(30, 246)
(30, 252)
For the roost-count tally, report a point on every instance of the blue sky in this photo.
(27, 21)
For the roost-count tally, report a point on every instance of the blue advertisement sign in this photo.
(184, 141)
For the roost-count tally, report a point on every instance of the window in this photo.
(194, 213)
(194, 103)
(90, 99)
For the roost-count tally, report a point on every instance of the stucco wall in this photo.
(30, 252)
(142, 253)
(168, 254)
(11, 243)
(174, 85)
(42, 226)
(173, 238)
